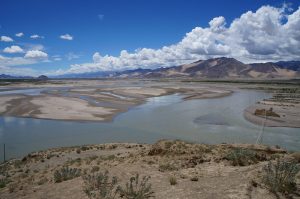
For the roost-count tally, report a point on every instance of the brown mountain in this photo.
(217, 68)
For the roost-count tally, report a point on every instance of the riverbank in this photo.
(178, 170)
(281, 110)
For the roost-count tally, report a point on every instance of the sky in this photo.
(79, 36)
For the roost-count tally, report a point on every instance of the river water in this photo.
(210, 121)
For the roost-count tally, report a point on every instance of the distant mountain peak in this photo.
(221, 67)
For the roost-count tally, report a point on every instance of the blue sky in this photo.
(86, 36)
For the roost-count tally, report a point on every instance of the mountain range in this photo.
(220, 68)
(216, 68)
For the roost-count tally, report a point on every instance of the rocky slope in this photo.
(177, 169)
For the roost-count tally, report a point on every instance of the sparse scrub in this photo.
(194, 179)
(95, 169)
(66, 173)
(3, 182)
(172, 180)
(166, 167)
(42, 181)
(241, 157)
(99, 186)
(280, 176)
(108, 157)
(78, 151)
(137, 190)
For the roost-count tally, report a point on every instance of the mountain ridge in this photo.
(222, 67)
(215, 68)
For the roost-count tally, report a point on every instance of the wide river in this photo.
(211, 121)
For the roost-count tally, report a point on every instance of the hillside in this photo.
(177, 170)
(220, 68)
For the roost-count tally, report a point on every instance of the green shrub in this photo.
(66, 173)
(280, 176)
(99, 186)
(137, 190)
(241, 157)
(172, 180)
(3, 182)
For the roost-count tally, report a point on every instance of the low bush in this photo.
(66, 173)
(166, 167)
(95, 169)
(3, 182)
(172, 180)
(241, 157)
(99, 186)
(280, 176)
(136, 189)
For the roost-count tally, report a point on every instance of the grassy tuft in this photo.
(66, 173)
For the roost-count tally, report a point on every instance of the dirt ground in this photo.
(200, 171)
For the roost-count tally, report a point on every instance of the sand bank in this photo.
(96, 102)
(289, 115)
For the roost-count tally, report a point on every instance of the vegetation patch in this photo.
(3, 182)
(136, 189)
(173, 180)
(66, 173)
(167, 167)
(100, 186)
(280, 176)
(242, 157)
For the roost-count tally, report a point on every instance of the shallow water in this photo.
(205, 121)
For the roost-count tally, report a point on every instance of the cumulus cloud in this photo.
(13, 49)
(66, 37)
(13, 61)
(36, 37)
(36, 54)
(6, 39)
(20, 34)
(268, 34)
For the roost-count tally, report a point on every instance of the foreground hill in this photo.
(220, 68)
(177, 169)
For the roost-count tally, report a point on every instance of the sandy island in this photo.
(287, 112)
(91, 102)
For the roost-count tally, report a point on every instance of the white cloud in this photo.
(72, 55)
(56, 58)
(14, 61)
(34, 46)
(36, 37)
(66, 37)
(6, 39)
(36, 54)
(269, 34)
(13, 49)
(20, 34)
